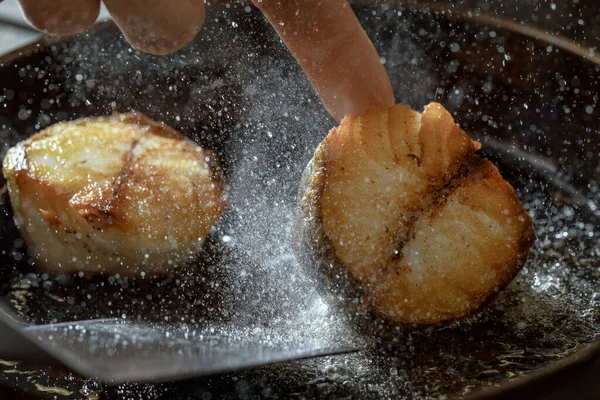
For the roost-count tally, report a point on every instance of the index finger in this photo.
(334, 51)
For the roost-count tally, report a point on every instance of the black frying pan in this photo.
(530, 99)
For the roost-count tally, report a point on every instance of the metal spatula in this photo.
(116, 351)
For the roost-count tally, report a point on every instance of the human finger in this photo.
(60, 17)
(334, 51)
(157, 26)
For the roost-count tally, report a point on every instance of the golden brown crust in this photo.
(423, 226)
(131, 187)
(485, 256)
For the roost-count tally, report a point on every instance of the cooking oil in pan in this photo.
(547, 313)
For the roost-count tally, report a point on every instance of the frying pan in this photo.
(529, 98)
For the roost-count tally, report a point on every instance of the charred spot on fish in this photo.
(416, 158)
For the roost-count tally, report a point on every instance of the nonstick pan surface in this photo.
(531, 102)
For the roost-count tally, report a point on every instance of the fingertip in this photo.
(160, 45)
(60, 17)
(150, 27)
(334, 51)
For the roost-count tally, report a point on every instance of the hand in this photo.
(154, 26)
(323, 35)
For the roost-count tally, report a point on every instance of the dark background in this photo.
(578, 20)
